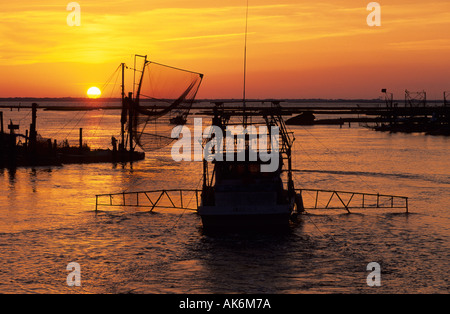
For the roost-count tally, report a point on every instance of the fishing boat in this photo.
(238, 193)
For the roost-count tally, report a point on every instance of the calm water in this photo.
(47, 220)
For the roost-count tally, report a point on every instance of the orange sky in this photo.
(296, 49)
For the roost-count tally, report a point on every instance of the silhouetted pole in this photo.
(123, 118)
(27, 140)
(12, 144)
(205, 175)
(2, 144)
(244, 117)
(33, 132)
(291, 188)
(81, 140)
(406, 98)
(1, 122)
(130, 121)
(33, 116)
(1, 138)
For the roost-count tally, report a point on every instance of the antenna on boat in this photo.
(245, 69)
(123, 117)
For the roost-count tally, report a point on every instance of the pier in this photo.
(29, 149)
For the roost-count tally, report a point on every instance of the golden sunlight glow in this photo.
(94, 92)
(296, 49)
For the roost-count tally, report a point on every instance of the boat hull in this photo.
(260, 222)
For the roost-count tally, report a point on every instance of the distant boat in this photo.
(178, 120)
(305, 118)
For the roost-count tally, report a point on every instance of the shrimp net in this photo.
(164, 98)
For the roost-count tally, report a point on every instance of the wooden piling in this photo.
(27, 143)
(81, 140)
(2, 144)
(130, 123)
(33, 132)
(12, 144)
(1, 123)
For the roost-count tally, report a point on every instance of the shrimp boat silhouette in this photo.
(239, 193)
(235, 193)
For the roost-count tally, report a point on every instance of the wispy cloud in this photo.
(34, 32)
(206, 37)
(430, 44)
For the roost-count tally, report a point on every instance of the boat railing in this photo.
(176, 199)
(329, 199)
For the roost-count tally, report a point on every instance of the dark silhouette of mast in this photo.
(134, 103)
(123, 118)
(136, 97)
(245, 70)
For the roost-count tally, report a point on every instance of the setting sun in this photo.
(94, 92)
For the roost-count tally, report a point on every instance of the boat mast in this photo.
(130, 122)
(134, 103)
(245, 70)
(136, 97)
(123, 119)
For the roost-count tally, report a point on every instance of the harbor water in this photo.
(48, 220)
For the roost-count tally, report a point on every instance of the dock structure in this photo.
(32, 150)
(415, 99)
